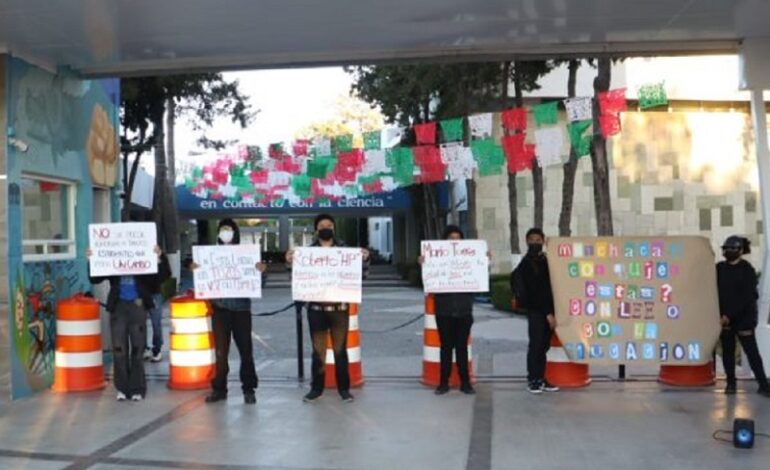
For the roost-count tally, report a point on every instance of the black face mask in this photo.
(534, 248)
(731, 255)
(325, 234)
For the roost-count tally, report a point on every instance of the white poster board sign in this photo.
(227, 272)
(327, 274)
(454, 266)
(122, 249)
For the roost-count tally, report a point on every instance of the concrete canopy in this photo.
(123, 37)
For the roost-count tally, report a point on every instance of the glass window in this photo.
(48, 213)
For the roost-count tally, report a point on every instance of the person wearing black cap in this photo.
(737, 286)
(454, 319)
(531, 283)
(232, 319)
(331, 317)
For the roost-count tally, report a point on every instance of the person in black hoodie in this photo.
(128, 302)
(232, 320)
(531, 284)
(454, 319)
(331, 318)
(737, 286)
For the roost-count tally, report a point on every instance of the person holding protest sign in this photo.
(531, 286)
(328, 317)
(232, 319)
(129, 300)
(737, 286)
(454, 318)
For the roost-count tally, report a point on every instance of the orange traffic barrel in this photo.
(191, 358)
(688, 376)
(431, 351)
(560, 371)
(355, 368)
(78, 356)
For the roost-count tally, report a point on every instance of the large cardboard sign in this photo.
(622, 300)
(227, 271)
(122, 249)
(455, 266)
(327, 274)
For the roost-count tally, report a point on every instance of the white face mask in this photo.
(226, 235)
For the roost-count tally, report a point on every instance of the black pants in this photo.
(749, 344)
(237, 325)
(539, 343)
(128, 331)
(336, 323)
(453, 333)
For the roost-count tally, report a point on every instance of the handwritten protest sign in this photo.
(455, 266)
(227, 272)
(327, 274)
(621, 300)
(122, 249)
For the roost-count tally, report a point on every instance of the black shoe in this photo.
(730, 389)
(467, 389)
(442, 389)
(250, 398)
(535, 387)
(346, 396)
(215, 397)
(549, 387)
(312, 396)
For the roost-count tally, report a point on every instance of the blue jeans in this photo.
(156, 315)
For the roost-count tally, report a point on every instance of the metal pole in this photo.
(300, 349)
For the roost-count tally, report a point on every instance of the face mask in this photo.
(226, 235)
(325, 234)
(731, 255)
(534, 248)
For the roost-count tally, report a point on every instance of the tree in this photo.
(351, 115)
(570, 168)
(599, 161)
(145, 101)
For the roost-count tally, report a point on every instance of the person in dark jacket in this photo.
(737, 286)
(331, 317)
(531, 283)
(232, 320)
(128, 302)
(454, 318)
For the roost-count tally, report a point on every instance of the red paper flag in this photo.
(354, 158)
(434, 172)
(374, 187)
(613, 101)
(518, 154)
(609, 124)
(300, 148)
(426, 155)
(425, 133)
(514, 119)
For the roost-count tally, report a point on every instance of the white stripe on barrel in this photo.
(354, 355)
(192, 358)
(78, 360)
(78, 327)
(190, 325)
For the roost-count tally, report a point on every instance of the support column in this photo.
(284, 231)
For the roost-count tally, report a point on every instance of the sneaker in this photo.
(468, 389)
(214, 397)
(535, 386)
(147, 355)
(441, 390)
(312, 396)
(137, 397)
(730, 389)
(549, 387)
(121, 396)
(346, 396)
(250, 398)
(156, 357)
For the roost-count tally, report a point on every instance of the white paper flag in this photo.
(323, 147)
(374, 162)
(578, 109)
(481, 125)
(278, 178)
(548, 143)
(388, 184)
(459, 161)
(391, 137)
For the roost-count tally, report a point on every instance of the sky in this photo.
(287, 99)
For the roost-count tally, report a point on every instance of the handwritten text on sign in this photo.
(227, 272)
(122, 249)
(327, 274)
(455, 266)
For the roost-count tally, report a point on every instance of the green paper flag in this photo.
(652, 96)
(452, 129)
(301, 185)
(546, 114)
(343, 143)
(401, 161)
(581, 143)
(372, 140)
(319, 167)
(489, 157)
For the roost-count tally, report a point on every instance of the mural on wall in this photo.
(69, 126)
